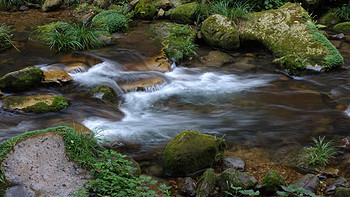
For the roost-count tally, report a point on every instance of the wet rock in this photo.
(272, 182)
(329, 19)
(340, 36)
(76, 67)
(185, 13)
(236, 179)
(56, 76)
(145, 9)
(164, 4)
(40, 165)
(288, 32)
(142, 84)
(50, 5)
(105, 93)
(21, 80)
(235, 163)
(342, 192)
(19, 191)
(309, 182)
(159, 63)
(220, 31)
(191, 151)
(33, 6)
(23, 8)
(343, 27)
(207, 183)
(216, 58)
(339, 182)
(102, 3)
(35, 104)
(188, 187)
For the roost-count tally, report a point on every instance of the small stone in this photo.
(309, 182)
(340, 36)
(235, 163)
(330, 172)
(23, 8)
(188, 187)
(161, 13)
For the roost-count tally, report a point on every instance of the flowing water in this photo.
(247, 101)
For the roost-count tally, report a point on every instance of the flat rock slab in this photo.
(41, 166)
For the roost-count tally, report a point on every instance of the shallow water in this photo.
(247, 101)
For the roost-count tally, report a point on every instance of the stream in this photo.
(247, 102)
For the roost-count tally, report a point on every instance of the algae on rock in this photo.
(342, 27)
(191, 151)
(106, 93)
(289, 31)
(185, 13)
(272, 182)
(145, 9)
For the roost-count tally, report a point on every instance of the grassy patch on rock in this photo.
(111, 21)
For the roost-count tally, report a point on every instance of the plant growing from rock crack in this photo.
(321, 152)
(294, 190)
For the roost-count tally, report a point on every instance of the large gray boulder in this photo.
(220, 31)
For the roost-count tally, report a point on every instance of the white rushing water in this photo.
(155, 116)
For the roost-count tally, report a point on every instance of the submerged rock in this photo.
(272, 182)
(35, 104)
(207, 183)
(40, 165)
(289, 31)
(185, 13)
(191, 151)
(105, 93)
(142, 84)
(21, 80)
(236, 179)
(220, 31)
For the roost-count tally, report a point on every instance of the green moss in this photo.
(236, 179)
(111, 21)
(145, 9)
(109, 95)
(207, 183)
(58, 103)
(342, 192)
(292, 64)
(185, 13)
(342, 27)
(272, 182)
(21, 80)
(329, 19)
(191, 151)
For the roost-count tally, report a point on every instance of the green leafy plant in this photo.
(12, 2)
(294, 190)
(260, 5)
(321, 152)
(111, 21)
(86, 8)
(5, 36)
(238, 191)
(343, 12)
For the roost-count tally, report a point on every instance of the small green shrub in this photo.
(238, 191)
(5, 36)
(321, 152)
(111, 21)
(294, 190)
(343, 12)
(65, 37)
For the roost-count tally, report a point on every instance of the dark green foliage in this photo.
(5, 36)
(343, 12)
(12, 2)
(111, 21)
(294, 190)
(321, 152)
(238, 191)
(66, 37)
(260, 5)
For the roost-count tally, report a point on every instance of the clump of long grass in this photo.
(5, 36)
(343, 12)
(321, 152)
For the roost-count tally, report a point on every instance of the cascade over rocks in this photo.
(191, 151)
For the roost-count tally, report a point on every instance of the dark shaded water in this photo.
(247, 101)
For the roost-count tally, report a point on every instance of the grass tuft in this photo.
(5, 36)
(321, 152)
(343, 12)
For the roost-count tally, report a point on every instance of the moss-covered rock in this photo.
(342, 27)
(207, 183)
(220, 31)
(50, 5)
(329, 19)
(111, 21)
(21, 80)
(38, 104)
(289, 31)
(102, 3)
(145, 9)
(236, 179)
(342, 192)
(272, 182)
(191, 151)
(216, 58)
(185, 13)
(105, 93)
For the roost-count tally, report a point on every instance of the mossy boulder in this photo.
(342, 27)
(329, 19)
(50, 5)
(38, 104)
(236, 179)
(21, 80)
(207, 183)
(145, 9)
(342, 192)
(191, 151)
(105, 93)
(185, 13)
(272, 182)
(289, 31)
(220, 31)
